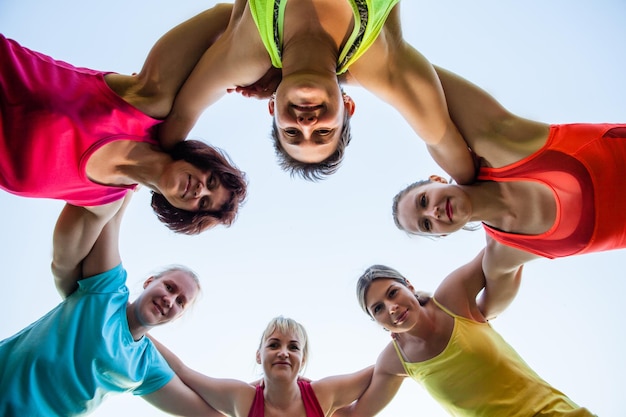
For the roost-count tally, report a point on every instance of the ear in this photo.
(410, 286)
(270, 105)
(147, 282)
(437, 178)
(258, 357)
(349, 104)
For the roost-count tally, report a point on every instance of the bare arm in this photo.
(340, 390)
(386, 381)
(75, 235)
(503, 274)
(170, 61)
(397, 73)
(178, 399)
(238, 57)
(229, 396)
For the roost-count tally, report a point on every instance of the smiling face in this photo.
(392, 304)
(165, 299)
(433, 208)
(189, 188)
(281, 355)
(309, 117)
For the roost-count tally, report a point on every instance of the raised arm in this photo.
(77, 231)
(229, 396)
(387, 378)
(178, 399)
(503, 267)
(238, 57)
(395, 72)
(340, 390)
(170, 61)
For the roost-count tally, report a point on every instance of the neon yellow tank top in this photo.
(369, 19)
(478, 374)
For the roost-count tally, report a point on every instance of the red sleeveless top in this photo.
(585, 167)
(311, 405)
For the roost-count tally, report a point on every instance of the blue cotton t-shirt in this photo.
(65, 363)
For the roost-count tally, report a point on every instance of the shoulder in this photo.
(112, 280)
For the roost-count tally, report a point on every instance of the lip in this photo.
(449, 211)
(402, 317)
(307, 107)
(158, 307)
(187, 186)
(282, 364)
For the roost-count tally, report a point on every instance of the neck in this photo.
(310, 53)
(143, 164)
(281, 394)
(488, 200)
(138, 328)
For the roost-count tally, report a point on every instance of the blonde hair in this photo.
(287, 325)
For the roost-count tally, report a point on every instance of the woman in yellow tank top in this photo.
(445, 344)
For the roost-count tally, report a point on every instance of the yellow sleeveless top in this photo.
(369, 19)
(479, 374)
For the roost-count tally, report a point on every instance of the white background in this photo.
(298, 248)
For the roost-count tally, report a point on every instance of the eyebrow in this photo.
(417, 220)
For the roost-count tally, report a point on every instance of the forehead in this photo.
(284, 336)
(377, 289)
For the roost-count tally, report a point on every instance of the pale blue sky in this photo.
(298, 248)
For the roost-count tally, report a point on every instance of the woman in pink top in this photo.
(87, 137)
(282, 353)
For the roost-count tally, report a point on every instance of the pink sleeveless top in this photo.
(53, 117)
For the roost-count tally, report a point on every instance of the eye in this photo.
(212, 182)
(426, 225)
(291, 132)
(180, 302)
(294, 347)
(376, 309)
(423, 201)
(204, 203)
(168, 287)
(324, 132)
(392, 293)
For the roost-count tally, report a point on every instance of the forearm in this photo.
(499, 293)
(76, 231)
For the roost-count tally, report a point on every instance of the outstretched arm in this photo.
(77, 231)
(397, 73)
(503, 274)
(229, 396)
(386, 380)
(170, 61)
(340, 390)
(238, 57)
(178, 399)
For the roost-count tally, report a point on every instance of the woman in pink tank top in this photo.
(283, 354)
(103, 128)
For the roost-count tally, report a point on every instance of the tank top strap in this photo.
(448, 312)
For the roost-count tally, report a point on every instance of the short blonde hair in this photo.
(287, 325)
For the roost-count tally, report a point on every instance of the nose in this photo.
(436, 212)
(283, 353)
(200, 190)
(392, 309)
(306, 119)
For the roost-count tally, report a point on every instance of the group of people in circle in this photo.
(539, 190)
